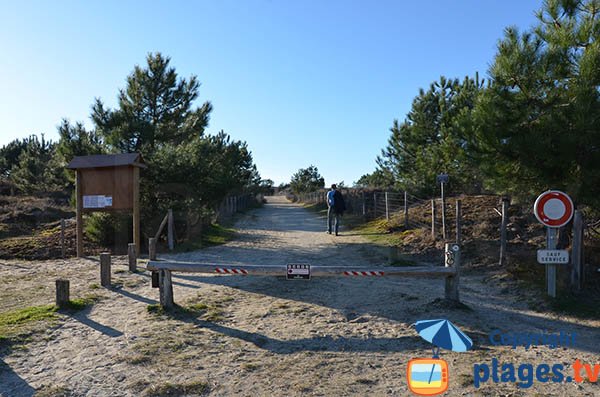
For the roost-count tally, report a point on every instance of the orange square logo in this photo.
(427, 376)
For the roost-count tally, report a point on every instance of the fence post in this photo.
(405, 210)
(374, 205)
(458, 221)
(433, 216)
(63, 248)
(105, 269)
(577, 271)
(132, 257)
(170, 226)
(503, 225)
(387, 207)
(443, 213)
(62, 293)
(364, 205)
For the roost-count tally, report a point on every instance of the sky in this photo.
(303, 82)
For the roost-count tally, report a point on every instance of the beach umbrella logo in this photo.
(429, 376)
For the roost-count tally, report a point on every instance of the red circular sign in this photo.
(553, 208)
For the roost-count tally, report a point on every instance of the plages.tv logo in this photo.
(430, 376)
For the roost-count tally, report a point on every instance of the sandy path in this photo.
(266, 336)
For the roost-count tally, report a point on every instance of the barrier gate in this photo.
(161, 272)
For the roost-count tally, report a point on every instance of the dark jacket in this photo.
(339, 206)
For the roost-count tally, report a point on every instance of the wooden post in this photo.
(364, 205)
(170, 227)
(165, 289)
(405, 210)
(452, 259)
(132, 257)
(152, 249)
(63, 248)
(105, 269)
(62, 293)
(503, 225)
(577, 270)
(374, 205)
(458, 221)
(433, 216)
(443, 213)
(162, 225)
(387, 207)
(79, 213)
(136, 207)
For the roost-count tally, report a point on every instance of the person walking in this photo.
(335, 208)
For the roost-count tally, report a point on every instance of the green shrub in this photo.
(109, 230)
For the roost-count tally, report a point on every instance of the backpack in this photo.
(338, 202)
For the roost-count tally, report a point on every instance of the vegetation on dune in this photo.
(196, 387)
(11, 323)
(16, 324)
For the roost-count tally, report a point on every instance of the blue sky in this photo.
(303, 82)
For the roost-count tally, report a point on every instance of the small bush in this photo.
(109, 230)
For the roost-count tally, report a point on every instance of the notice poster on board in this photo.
(97, 201)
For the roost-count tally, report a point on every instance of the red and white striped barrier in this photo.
(224, 270)
(368, 273)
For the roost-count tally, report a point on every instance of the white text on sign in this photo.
(553, 256)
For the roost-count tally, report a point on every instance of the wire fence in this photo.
(396, 206)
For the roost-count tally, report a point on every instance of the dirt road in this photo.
(266, 336)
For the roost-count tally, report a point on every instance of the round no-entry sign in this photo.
(553, 208)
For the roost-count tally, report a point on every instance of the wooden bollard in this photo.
(105, 269)
(62, 293)
(152, 248)
(165, 286)
(131, 255)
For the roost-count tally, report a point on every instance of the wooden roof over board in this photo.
(107, 160)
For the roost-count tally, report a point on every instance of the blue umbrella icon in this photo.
(443, 334)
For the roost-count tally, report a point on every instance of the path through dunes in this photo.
(267, 336)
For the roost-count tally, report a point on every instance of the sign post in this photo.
(554, 209)
(107, 183)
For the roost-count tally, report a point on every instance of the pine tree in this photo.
(538, 124)
(307, 180)
(432, 139)
(154, 109)
(37, 170)
(75, 140)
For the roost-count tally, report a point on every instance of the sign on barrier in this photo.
(298, 271)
